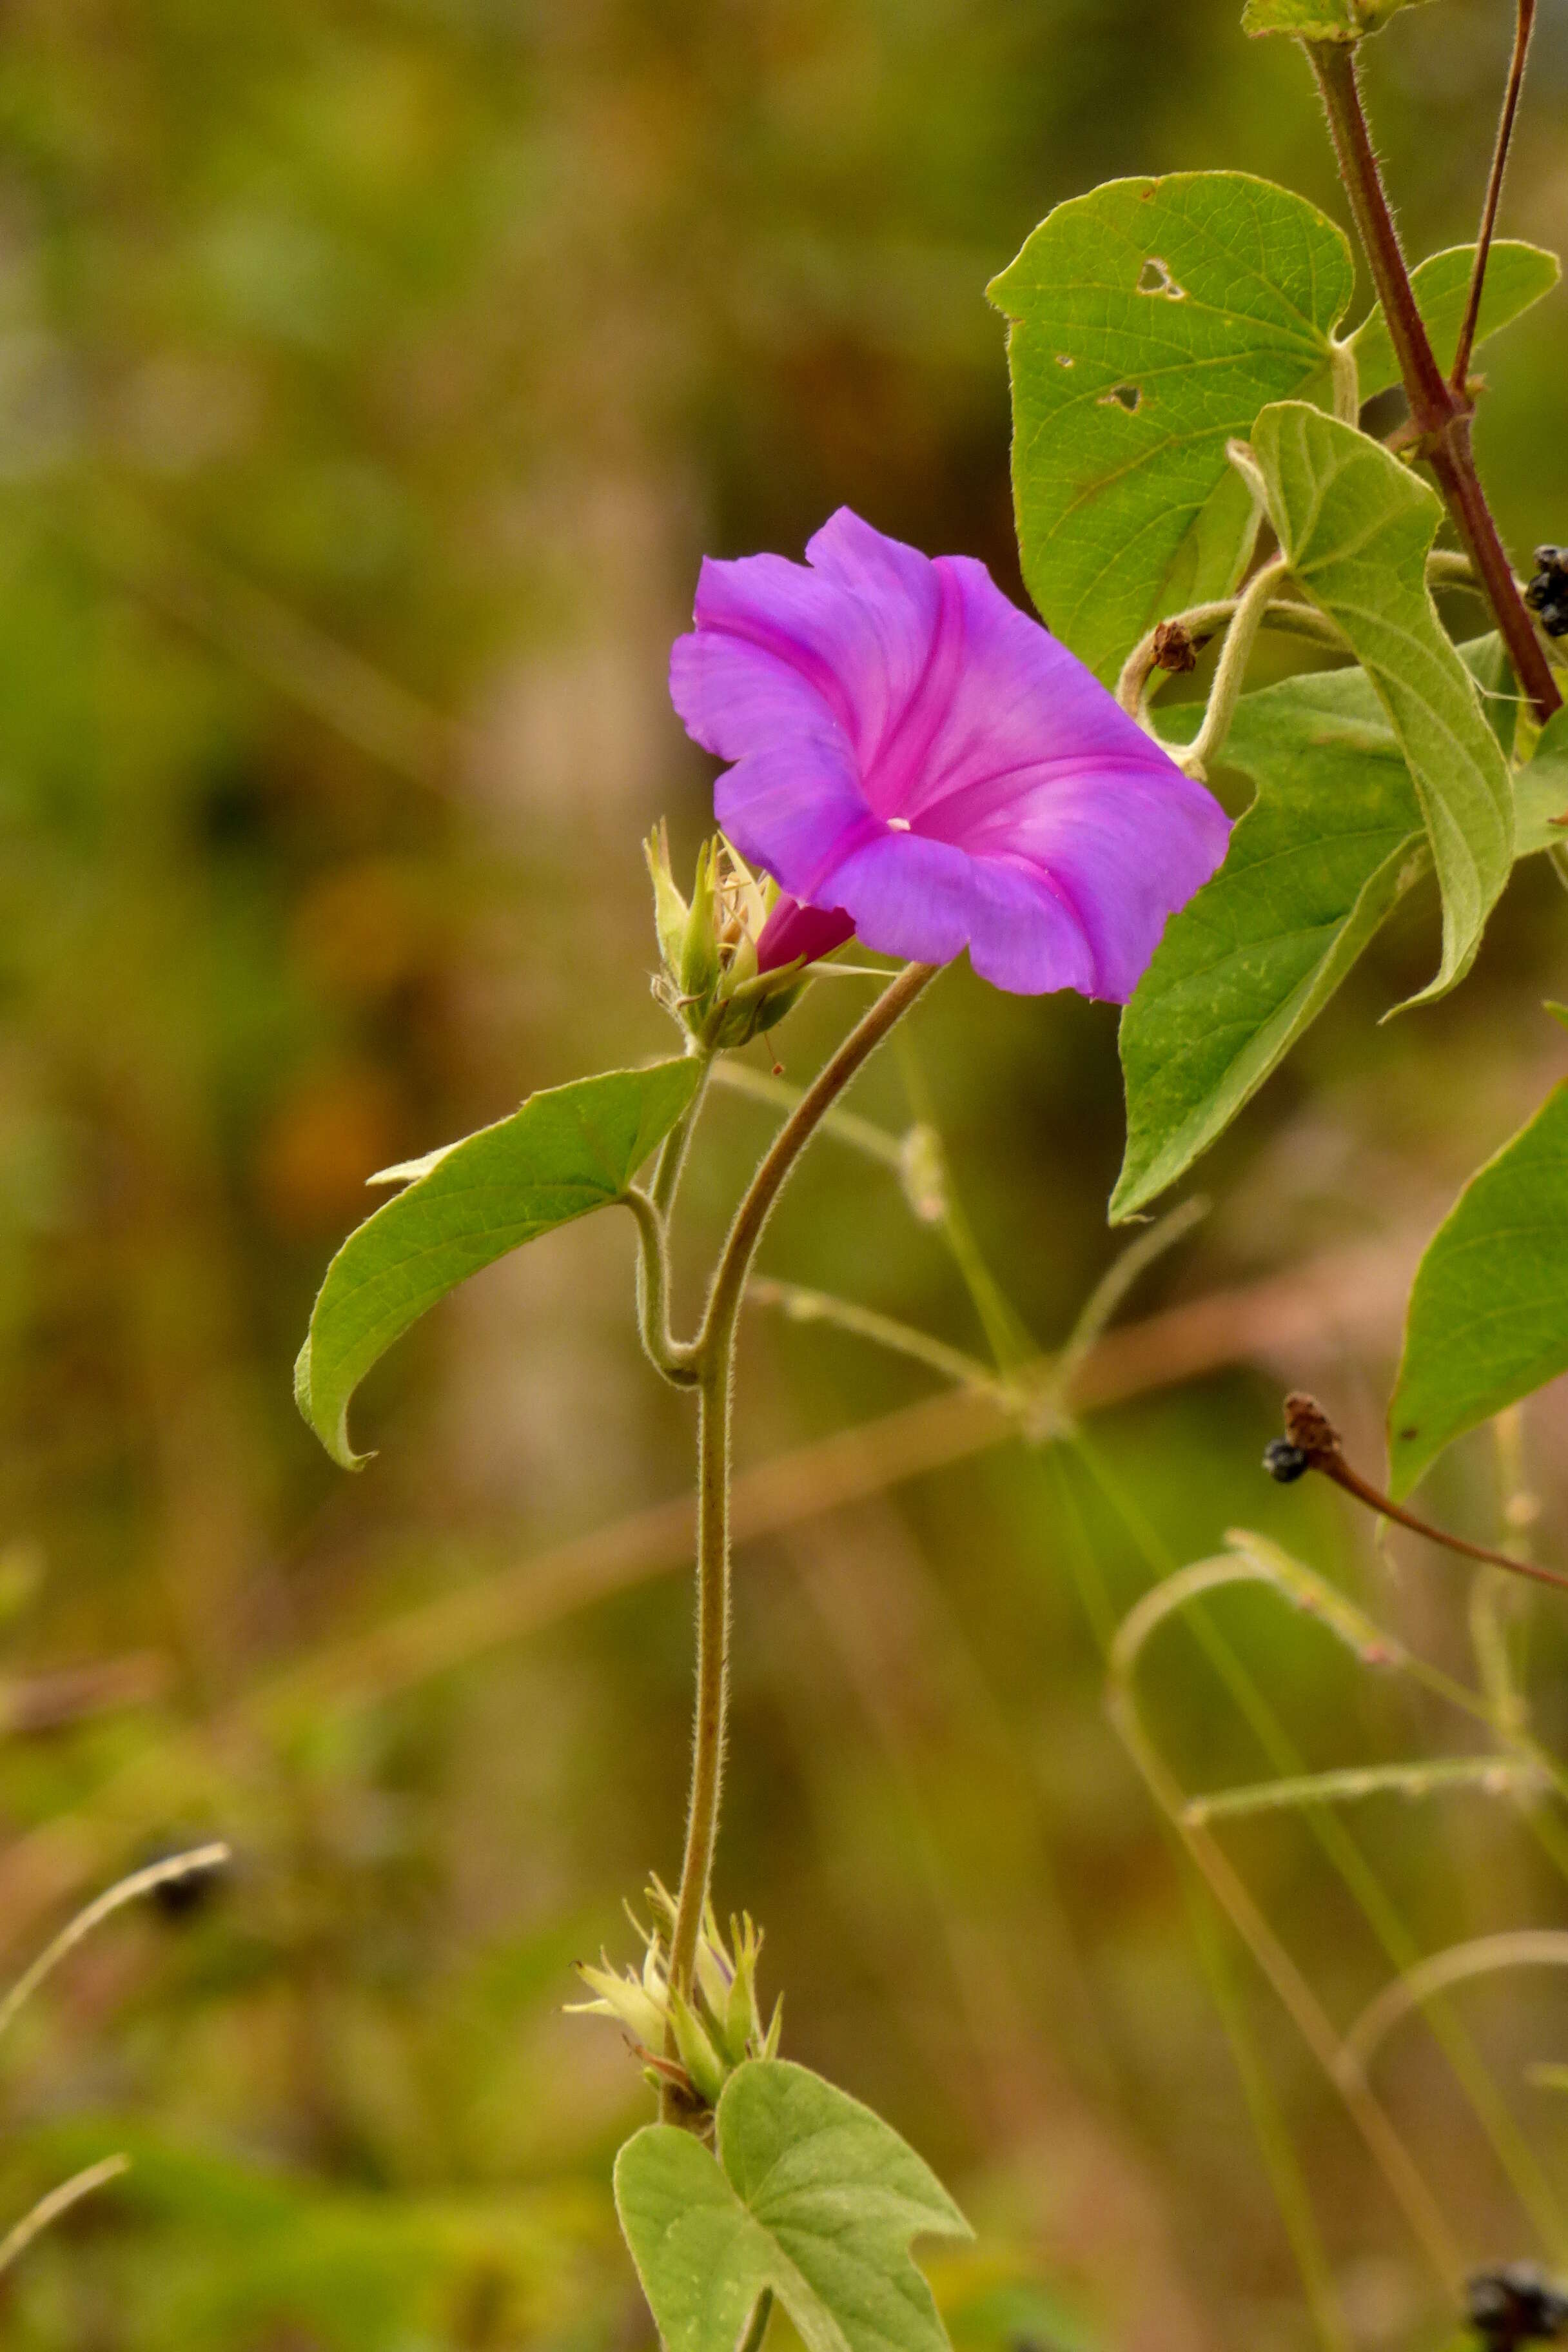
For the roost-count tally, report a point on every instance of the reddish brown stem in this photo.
(1440, 415)
(1310, 1429)
(1523, 28)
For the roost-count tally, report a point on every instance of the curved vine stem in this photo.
(670, 1356)
(712, 1361)
(1230, 675)
(1284, 612)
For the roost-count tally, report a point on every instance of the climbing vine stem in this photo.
(1439, 412)
(712, 1359)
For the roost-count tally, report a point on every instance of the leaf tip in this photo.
(334, 1435)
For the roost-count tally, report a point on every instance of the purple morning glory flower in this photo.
(917, 763)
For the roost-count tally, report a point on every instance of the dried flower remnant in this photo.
(1175, 648)
(916, 760)
(1312, 1442)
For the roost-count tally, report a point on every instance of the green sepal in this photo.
(697, 965)
(698, 2055)
(669, 912)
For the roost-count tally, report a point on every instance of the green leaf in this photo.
(1487, 660)
(1320, 20)
(1518, 276)
(566, 1151)
(1542, 791)
(1151, 320)
(1332, 841)
(810, 2194)
(1489, 1314)
(1356, 528)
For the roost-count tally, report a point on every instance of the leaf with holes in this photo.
(1332, 842)
(1518, 277)
(1488, 1313)
(1149, 322)
(1320, 20)
(1356, 528)
(810, 2196)
(567, 1151)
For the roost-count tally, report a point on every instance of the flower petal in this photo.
(854, 628)
(1125, 848)
(735, 696)
(797, 811)
(793, 931)
(926, 900)
(1013, 700)
(913, 750)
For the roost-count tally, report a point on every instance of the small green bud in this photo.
(627, 1998)
(712, 1968)
(670, 910)
(743, 2024)
(711, 984)
(715, 2026)
(702, 2060)
(697, 971)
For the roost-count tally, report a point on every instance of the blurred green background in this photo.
(374, 375)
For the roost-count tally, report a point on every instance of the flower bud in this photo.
(694, 2038)
(669, 909)
(698, 2055)
(712, 983)
(697, 972)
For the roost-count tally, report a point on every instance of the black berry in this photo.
(1547, 593)
(1285, 1462)
(1513, 2305)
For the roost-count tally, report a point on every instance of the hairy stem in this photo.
(1523, 28)
(1200, 623)
(1439, 412)
(669, 1355)
(712, 1359)
(1229, 676)
(671, 1161)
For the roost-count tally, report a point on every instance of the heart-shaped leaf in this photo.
(568, 1151)
(1320, 20)
(1518, 276)
(1356, 528)
(1488, 1313)
(809, 2195)
(1150, 322)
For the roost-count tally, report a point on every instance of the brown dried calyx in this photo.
(1312, 1442)
(1175, 648)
